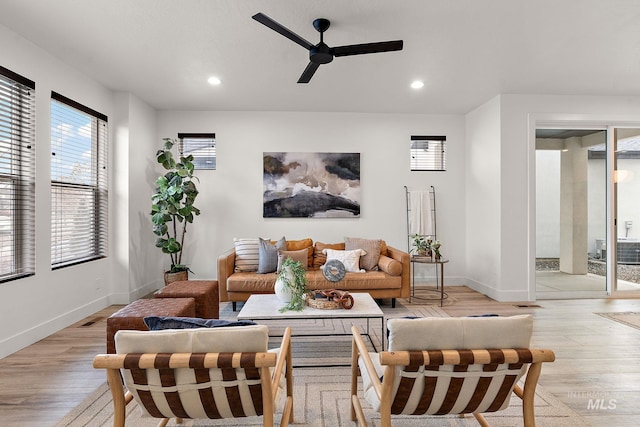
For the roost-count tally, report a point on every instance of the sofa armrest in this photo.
(405, 260)
(226, 266)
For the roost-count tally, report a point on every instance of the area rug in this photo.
(321, 399)
(628, 318)
(321, 395)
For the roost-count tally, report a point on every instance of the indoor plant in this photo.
(421, 244)
(291, 285)
(172, 207)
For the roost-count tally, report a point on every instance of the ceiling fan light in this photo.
(417, 84)
(214, 81)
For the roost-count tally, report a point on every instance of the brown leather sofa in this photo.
(391, 280)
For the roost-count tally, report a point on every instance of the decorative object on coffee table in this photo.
(330, 299)
(172, 208)
(291, 285)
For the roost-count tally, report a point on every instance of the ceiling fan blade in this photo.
(308, 72)
(359, 49)
(265, 20)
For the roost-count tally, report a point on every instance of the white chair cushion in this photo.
(455, 333)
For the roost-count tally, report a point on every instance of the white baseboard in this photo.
(32, 335)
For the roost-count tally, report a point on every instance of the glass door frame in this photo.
(608, 124)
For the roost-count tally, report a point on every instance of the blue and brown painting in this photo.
(311, 185)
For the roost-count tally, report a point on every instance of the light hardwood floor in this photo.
(598, 361)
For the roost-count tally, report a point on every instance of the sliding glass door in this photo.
(571, 214)
(587, 201)
(627, 208)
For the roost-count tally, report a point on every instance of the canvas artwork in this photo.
(311, 185)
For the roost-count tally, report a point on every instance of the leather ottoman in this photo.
(205, 292)
(132, 316)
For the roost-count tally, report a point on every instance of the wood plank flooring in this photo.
(597, 371)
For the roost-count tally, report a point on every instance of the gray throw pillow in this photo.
(268, 255)
(157, 323)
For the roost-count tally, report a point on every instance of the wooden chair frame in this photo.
(263, 361)
(393, 359)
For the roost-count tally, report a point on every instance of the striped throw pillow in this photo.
(247, 254)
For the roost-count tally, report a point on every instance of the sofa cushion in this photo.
(247, 254)
(372, 248)
(268, 255)
(390, 266)
(302, 255)
(350, 259)
(319, 257)
(296, 245)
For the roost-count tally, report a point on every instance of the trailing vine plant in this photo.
(294, 277)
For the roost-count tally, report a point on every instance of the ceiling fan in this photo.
(321, 53)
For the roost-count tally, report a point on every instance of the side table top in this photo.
(267, 306)
(428, 260)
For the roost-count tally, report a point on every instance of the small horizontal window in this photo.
(202, 146)
(428, 153)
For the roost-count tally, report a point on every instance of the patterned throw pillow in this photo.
(247, 254)
(268, 255)
(371, 247)
(350, 259)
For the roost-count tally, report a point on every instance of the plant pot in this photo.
(175, 277)
(283, 293)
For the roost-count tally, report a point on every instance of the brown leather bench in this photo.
(205, 292)
(132, 316)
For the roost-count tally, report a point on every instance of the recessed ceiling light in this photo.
(214, 81)
(417, 84)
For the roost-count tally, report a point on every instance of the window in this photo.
(17, 176)
(78, 183)
(428, 153)
(202, 146)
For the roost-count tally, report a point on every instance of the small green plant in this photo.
(421, 244)
(294, 277)
(172, 204)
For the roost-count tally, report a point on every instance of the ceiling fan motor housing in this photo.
(320, 54)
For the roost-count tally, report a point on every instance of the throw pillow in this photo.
(319, 257)
(268, 255)
(300, 255)
(350, 259)
(247, 254)
(371, 247)
(390, 266)
(157, 323)
(296, 245)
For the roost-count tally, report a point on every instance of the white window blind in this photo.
(78, 183)
(17, 176)
(202, 146)
(428, 153)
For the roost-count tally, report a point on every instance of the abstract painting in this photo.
(311, 185)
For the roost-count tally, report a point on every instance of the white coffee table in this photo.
(261, 307)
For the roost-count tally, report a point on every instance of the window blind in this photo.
(17, 176)
(428, 153)
(202, 146)
(79, 195)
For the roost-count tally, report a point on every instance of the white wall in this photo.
(231, 197)
(483, 232)
(548, 203)
(34, 307)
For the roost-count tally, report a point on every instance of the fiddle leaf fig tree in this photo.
(172, 204)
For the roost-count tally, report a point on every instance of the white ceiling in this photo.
(466, 51)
